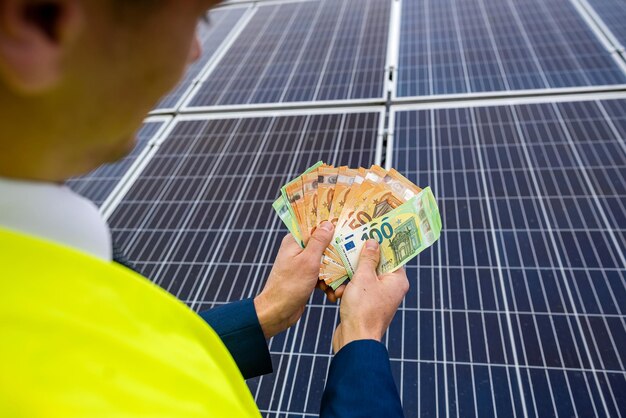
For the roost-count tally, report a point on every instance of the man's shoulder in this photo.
(87, 333)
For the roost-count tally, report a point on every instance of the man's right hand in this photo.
(369, 301)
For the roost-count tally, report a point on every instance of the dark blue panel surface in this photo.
(304, 51)
(98, 185)
(472, 46)
(529, 275)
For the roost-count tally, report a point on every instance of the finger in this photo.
(319, 241)
(322, 285)
(368, 261)
(339, 291)
(330, 295)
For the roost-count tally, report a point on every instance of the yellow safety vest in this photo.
(80, 337)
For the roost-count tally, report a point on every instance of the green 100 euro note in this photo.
(402, 234)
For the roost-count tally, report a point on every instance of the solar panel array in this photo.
(519, 309)
(305, 51)
(473, 46)
(522, 304)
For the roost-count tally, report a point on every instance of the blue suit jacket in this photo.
(359, 382)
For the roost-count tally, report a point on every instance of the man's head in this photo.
(78, 76)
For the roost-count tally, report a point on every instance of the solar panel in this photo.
(300, 52)
(473, 46)
(211, 35)
(98, 185)
(520, 309)
(198, 221)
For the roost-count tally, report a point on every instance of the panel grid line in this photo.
(498, 261)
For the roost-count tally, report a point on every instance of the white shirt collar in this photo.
(54, 212)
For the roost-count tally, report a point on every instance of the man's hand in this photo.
(369, 301)
(291, 281)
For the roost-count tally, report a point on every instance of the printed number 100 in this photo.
(385, 232)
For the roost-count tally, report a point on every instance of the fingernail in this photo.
(371, 244)
(328, 226)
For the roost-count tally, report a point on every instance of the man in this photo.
(82, 336)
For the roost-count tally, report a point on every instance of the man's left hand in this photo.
(291, 281)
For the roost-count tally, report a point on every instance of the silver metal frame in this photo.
(602, 32)
(511, 94)
(506, 101)
(596, 23)
(258, 2)
(274, 112)
(286, 106)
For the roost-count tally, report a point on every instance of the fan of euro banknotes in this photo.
(362, 204)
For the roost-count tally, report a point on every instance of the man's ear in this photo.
(34, 37)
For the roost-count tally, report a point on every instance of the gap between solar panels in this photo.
(597, 23)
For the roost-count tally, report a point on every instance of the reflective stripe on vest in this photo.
(80, 337)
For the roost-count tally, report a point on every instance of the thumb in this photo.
(320, 239)
(368, 260)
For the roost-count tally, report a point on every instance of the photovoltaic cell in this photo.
(305, 51)
(473, 46)
(519, 310)
(211, 35)
(613, 14)
(199, 222)
(98, 185)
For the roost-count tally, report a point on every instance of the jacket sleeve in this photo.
(360, 383)
(238, 326)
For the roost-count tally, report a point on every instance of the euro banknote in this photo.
(352, 199)
(402, 233)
